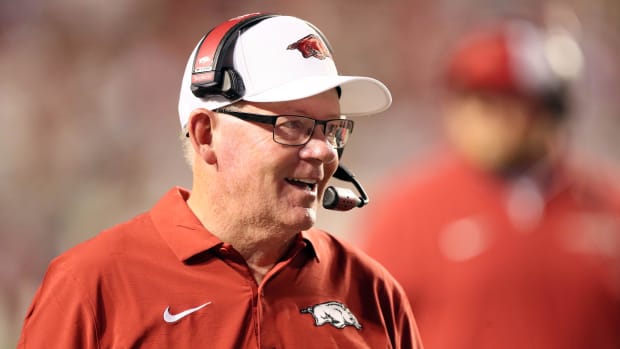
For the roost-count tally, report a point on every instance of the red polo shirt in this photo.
(490, 264)
(161, 280)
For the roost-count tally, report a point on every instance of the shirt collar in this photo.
(179, 227)
(187, 237)
(313, 243)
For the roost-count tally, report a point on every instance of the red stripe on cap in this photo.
(206, 52)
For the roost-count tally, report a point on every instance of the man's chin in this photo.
(304, 218)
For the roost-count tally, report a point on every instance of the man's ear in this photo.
(200, 133)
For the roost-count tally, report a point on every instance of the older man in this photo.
(235, 263)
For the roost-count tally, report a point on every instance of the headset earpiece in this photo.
(232, 85)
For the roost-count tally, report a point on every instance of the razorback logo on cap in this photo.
(310, 46)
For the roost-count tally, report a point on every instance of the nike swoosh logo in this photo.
(172, 318)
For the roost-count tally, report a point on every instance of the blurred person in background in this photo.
(235, 262)
(501, 238)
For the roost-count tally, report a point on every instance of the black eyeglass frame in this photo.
(271, 120)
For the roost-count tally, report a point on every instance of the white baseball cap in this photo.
(275, 67)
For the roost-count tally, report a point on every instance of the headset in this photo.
(212, 76)
(343, 199)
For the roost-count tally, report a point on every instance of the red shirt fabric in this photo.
(161, 280)
(489, 264)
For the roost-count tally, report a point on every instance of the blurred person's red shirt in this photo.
(489, 263)
(499, 239)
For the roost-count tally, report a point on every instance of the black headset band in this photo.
(208, 72)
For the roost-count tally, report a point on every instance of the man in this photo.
(235, 263)
(499, 239)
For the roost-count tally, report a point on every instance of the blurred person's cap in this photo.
(514, 57)
(283, 58)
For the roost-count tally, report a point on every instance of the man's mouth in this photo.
(303, 183)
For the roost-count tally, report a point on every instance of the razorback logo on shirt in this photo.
(334, 313)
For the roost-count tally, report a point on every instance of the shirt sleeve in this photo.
(61, 314)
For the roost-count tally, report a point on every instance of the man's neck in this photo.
(260, 245)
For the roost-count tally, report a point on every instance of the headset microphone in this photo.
(344, 199)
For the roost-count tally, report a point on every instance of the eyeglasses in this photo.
(298, 129)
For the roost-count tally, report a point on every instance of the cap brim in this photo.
(360, 95)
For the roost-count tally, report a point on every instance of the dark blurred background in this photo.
(88, 95)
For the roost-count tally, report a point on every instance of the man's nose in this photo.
(319, 147)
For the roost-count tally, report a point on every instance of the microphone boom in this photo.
(344, 199)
